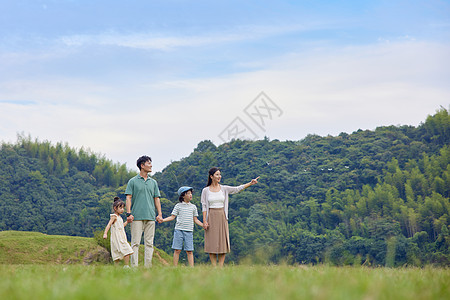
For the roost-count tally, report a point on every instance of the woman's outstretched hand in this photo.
(254, 181)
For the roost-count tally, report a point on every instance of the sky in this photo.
(142, 77)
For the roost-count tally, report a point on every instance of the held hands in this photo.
(205, 225)
(130, 219)
(159, 219)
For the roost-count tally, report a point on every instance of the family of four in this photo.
(143, 209)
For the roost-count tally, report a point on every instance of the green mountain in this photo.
(376, 197)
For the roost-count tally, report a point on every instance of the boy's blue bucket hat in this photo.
(183, 189)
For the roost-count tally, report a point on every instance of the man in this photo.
(142, 199)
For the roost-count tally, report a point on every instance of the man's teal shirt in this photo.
(142, 201)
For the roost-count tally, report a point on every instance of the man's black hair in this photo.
(143, 159)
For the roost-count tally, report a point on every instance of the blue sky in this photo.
(126, 78)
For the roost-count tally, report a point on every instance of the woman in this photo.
(215, 215)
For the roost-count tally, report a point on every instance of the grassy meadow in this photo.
(38, 266)
(22, 247)
(230, 282)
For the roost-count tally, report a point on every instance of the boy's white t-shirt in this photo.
(185, 213)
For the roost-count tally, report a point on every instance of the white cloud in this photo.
(324, 91)
(152, 41)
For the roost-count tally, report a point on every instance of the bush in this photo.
(105, 243)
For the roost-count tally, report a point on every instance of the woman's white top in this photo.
(216, 199)
(226, 189)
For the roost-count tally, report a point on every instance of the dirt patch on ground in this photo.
(100, 254)
(88, 257)
(44, 249)
(162, 260)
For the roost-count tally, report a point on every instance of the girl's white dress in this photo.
(119, 243)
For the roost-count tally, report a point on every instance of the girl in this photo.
(215, 215)
(120, 249)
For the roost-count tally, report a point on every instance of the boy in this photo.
(186, 214)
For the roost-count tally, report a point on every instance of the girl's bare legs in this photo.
(213, 258)
(126, 260)
(176, 257)
(190, 257)
(221, 259)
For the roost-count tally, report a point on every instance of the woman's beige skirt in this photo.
(217, 237)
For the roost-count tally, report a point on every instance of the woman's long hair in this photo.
(211, 173)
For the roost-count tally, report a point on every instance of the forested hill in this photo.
(376, 197)
(56, 189)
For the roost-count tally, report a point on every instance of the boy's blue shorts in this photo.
(180, 236)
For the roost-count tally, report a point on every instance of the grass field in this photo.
(231, 282)
(38, 266)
